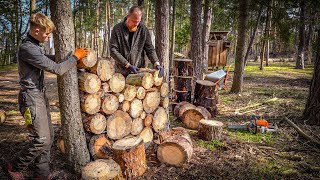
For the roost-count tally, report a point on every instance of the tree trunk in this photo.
(196, 48)
(300, 53)
(239, 64)
(311, 111)
(162, 34)
(268, 28)
(33, 6)
(105, 48)
(97, 28)
(207, 17)
(309, 37)
(173, 33)
(72, 128)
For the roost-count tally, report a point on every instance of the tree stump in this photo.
(183, 67)
(89, 82)
(117, 83)
(157, 80)
(204, 89)
(119, 125)
(104, 69)
(136, 108)
(110, 104)
(141, 92)
(209, 130)
(191, 117)
(160, 120)
(182, 95)
(3, 116)
(137, 126)
(130, 92)
(88, 61)
(151, 101)
(183, 83)
(102, 169)
(90, 103)
(147, 136)
(95, 124)
(129, 153)
(100, 147)
(141, 79)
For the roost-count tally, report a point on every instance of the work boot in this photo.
(7, 168)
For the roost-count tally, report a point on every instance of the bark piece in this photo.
(119, 125)
(88, 61)
(151, 101)
(2, 116)
(137, 126)
(104, 69)
(210, 130)
(90, 103)
(110, 104)
(130, 92)
(147, 136)
(160, 120)
(129, 153)
(95, 124)
(136, 108)
(117, 83)
(141, 79)
(89, 82)
(141, 92)
(157, 80)
(102, 169)
(100, 147)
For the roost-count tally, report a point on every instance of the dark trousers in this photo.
(34, 104)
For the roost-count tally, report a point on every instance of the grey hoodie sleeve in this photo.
(34, 56)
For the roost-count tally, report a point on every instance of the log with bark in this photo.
(89, 82)
(151, 101)
(130, 92)
(90, 103)
(192, 117)
(210, 130)
(110, 104)
(136, 108)
(183, 83)
(100, 147)
(177, 107)
(3, 116)
(182, 95)
(141, 79)
(129, 153)
(105, 87)
(204, 89)
(95, 124)
(183, 67)
(119, 125)
(117, 83)
(102, 169)
(88, 61)
(209, 103)
(104, 69)
(184, 108)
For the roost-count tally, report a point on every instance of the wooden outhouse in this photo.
(218, 46)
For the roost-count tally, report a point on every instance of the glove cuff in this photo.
(156, 64)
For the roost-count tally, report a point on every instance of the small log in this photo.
(125, 107)
(157, 80)
(147, 136)
(104, 69)
(102, 169)
(137, 126)
(88, 61)
(164, 90)
(210, 130)
(164, 102)
(105, 87)
(175, 150)
(130, 92)
(119, 125)
(183, 83)
(184, 108)
(117, 83)
(151, 101)
(120, 97)
(95, 124)
(141, 92)
(183, 67)
(100, 147)
(148, 120)
(177, 107)
(60, 145)
(130, 154)
(110, 104)
(143, 115)
(160, 120)
(204, 89)
(192, 117)
(90, 103)
(89, 82)
(3, 116)
(136, 108)
(140, 79)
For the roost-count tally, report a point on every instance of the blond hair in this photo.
(41, 21)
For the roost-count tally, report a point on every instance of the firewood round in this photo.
(110, 104)
(148, 120)
(210, 130)
(104, 69)
(102, 169)
(141, 92)
(105, 87)
(164, 102)
(177, 107)
(130, 92)
(89, 82)
(89, 61)
(164, 90)
(160, 120)
(151, 101)
(95, 124)
(192, 116)
(117, 83)
(90, 103)
(147, 136)
(157, 80)
(119, 125)
(125, 106)
(136, 108)
(185, 108)
(100, 147)
(137, 126)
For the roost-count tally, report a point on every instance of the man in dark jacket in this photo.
(129, 41)
(33, 103)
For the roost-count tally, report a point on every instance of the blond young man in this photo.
(33, 103)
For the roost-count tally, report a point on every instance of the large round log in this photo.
(137, 126)
(119, 125)
(151, 101)
(177, 107)
(102, 169)
(147, 136)
(184, 108)
(125, 106)
(130, 92)
(96, 123)
(90, 103)
(130, 154)
(110, 104)
(100, 147)
(104, 69)
(191, 117)
(157, 80)
(136, 108)
(183, 67)
(141, 79)
(160, 120)
(210, 130)
(88, 61)
(2, 116)
(141, 92)
(164, 102)
(117, 83)
(89, 82)
(164, 90)
(204, 89)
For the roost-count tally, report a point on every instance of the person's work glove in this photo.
(80, 53)
(133, 69)
(161, 71)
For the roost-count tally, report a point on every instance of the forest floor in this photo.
(238, 155)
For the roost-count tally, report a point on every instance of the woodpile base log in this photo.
(102, 169)
(210, 130)
(100, 147)
(129, 153)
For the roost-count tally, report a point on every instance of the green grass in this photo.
(270, 168)
(247, 136)
(212, 145)
(7, 67)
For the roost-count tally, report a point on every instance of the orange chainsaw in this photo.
(255, 126)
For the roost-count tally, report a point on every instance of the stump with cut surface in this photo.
(210, 130)
(164, 102)
(141, 79)
(204, 89)
(160, 120)
(110, 104)
(191, 117)
(96, 123)
(89, 82)
(183, 67)
(136, 108)
(130, 92)
(141, 92)
(88, 61)
(102, 169)
(147, 136)
(90, 103)
(175, 150)
(130, 154)
(2, 116)
(151, 101)
(157, 80)
(119, 125)
(183, 83)
(117, 83)
(164, 89)
(100, 147)
(137, 126)
(104, 69)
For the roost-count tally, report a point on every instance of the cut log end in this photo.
(100, 147)
(210, 130)
(117, 83)
(2, 116)
(160, 120)
(119, 125)
(88, 61)
(102, 169)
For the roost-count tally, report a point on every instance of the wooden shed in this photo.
(218, 46)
